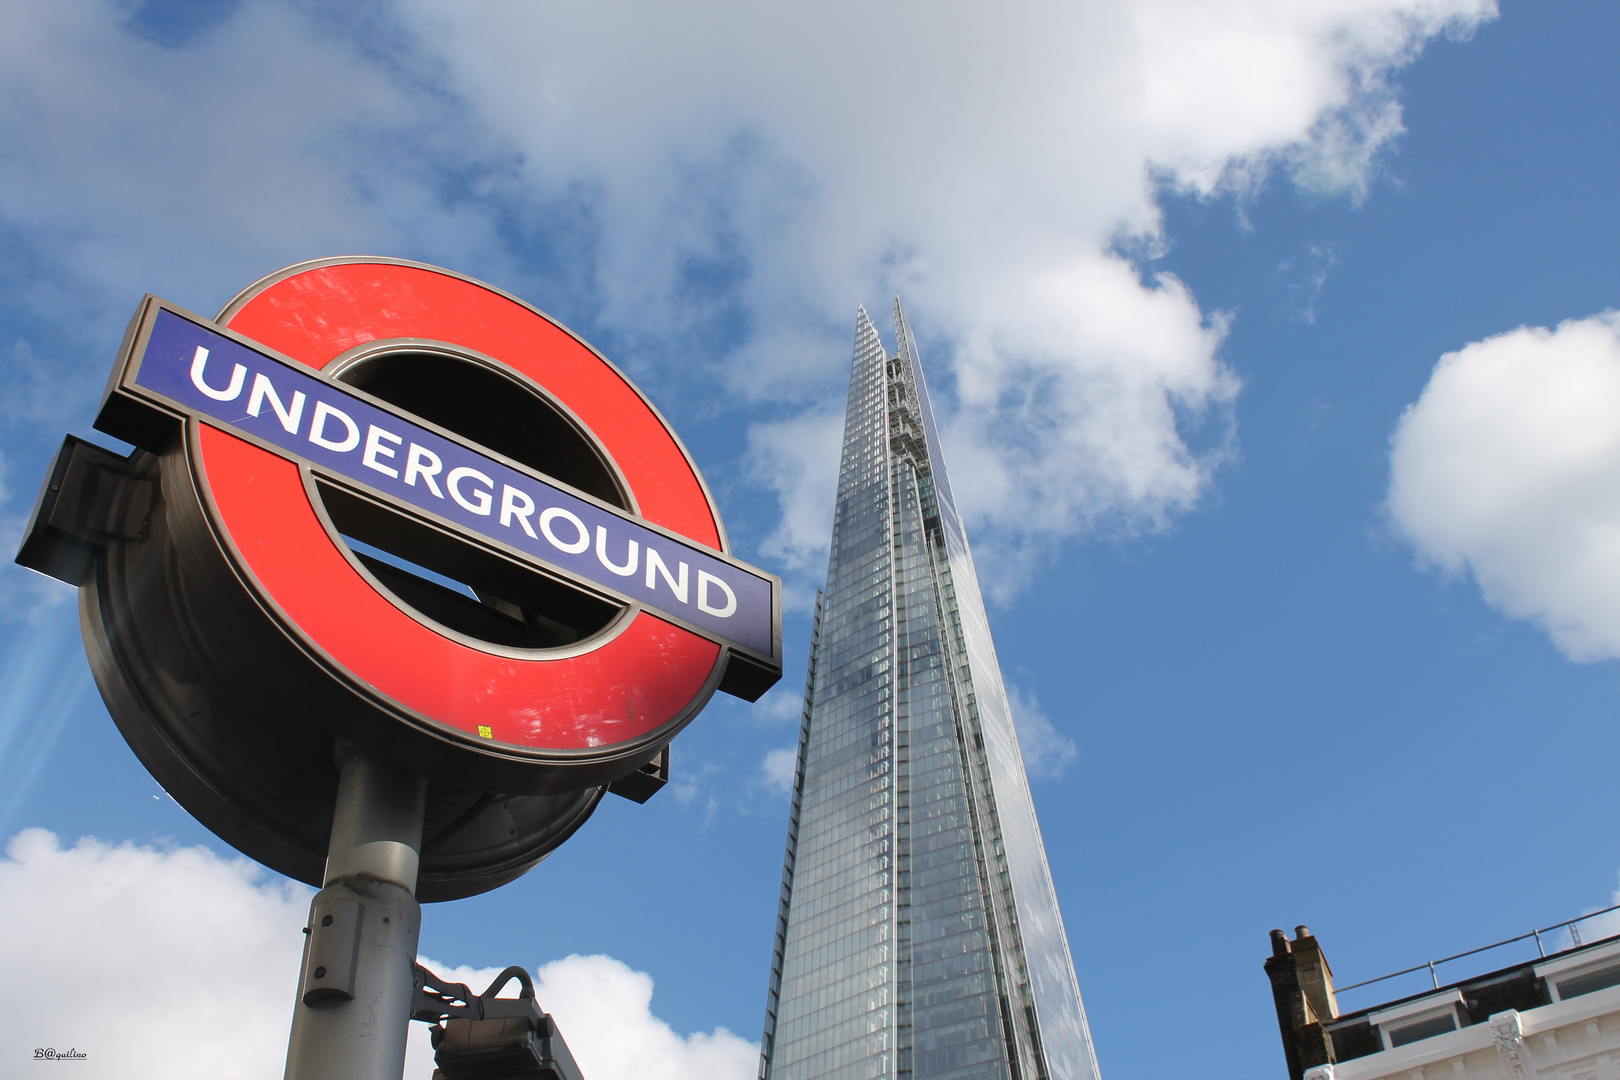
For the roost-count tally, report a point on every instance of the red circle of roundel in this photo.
(629, 685)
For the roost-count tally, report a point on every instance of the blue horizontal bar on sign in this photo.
(320, 422)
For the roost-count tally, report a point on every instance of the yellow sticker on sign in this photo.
(485, 731)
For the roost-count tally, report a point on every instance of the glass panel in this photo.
(1423, 1029)
(1589, 982)
(919, 936)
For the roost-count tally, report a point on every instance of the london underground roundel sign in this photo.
(387, 503)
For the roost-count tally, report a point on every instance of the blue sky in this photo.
(1301, 630)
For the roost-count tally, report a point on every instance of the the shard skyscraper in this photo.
(919, 935)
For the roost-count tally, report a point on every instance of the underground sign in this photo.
(378, 501)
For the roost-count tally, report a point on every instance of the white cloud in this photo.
(758, 167)
(154, 963)
(984, 161)
(131, 166)
(779, 767)
(604, 1011)
(785, 701)
(1236, 89)
(1605, 925)
(1069, 421)
(1047, 752)
(1508, 465)
(1594, 928)
(797, 458)
(182, 965)
(191, 171)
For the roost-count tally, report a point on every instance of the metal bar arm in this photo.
(435, 999)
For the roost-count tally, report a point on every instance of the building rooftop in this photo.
(1556, 1014)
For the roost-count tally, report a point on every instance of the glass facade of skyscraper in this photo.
(919, 934)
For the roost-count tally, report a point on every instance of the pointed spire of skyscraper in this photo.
(919, 934)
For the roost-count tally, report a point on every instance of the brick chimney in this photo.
(1302, 986)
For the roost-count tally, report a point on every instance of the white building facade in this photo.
(1555, 1018)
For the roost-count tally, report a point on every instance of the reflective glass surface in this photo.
(918, 934)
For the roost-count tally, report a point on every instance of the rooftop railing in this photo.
(1572, 925)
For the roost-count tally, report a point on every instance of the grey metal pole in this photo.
(354, 990)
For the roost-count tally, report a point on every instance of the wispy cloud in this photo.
(43, 682)
(1304, 278)
(1048, 753)
(1602, 926)
(25, 596)
(797, 459)
(778, 769)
